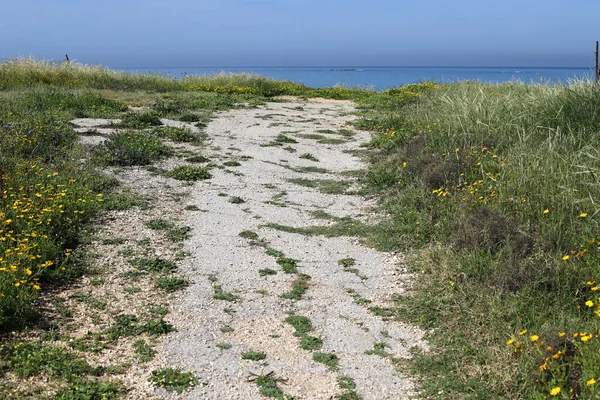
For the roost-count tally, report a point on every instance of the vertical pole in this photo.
(597, 71)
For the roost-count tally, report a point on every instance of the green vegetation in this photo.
(288, 265)
(172, 284)
(189, 173)
(329, 359)
(267, 385)
(490, 189)
(143, 351)
(254, 355)
(328, 186)
(174, 379)
(308, 156)
(299, 287)
(311, 343)
(130, 148)
(249, 235)
(178, 135)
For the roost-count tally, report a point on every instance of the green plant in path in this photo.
(174, 379)
(301, 324)
(140, 120)
(308, 156)
(177, 134)
(197, 159)
(348, 385)
(299, 287)
(143, 351)
(311, 343)
(254, 355)
(288, 265)
(249, 235)
(189, 173)
(172, 284)
(329, 359)
(267, 385)
(378, 349)
(131, 148)
(88, 389)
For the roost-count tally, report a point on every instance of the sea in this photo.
(382, 78)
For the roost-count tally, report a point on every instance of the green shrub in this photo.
(174, 379)
(131, 148)
(189, 174)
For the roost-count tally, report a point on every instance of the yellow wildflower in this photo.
(509, 342)
(555, 391)
(534, 338)
(524, 331)
(566, 258)
(589, 303)
(591, 382)
(546, 211)
(582, 215)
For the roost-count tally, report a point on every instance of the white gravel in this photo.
(347, 329)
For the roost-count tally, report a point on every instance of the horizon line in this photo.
(356, 66)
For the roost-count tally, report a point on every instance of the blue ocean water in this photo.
(381, 78)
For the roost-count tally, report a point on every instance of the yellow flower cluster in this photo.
(413, 90)
(480, 177)
(30, 212)
(580, 344)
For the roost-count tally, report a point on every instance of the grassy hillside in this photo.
(493, 190)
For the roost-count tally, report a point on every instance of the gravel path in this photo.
(256, 321)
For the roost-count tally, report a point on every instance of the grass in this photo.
(172, 284)
(189, 173)
(348, 385)
(327, 186)
(143, 351)
(301, 324)
(254, 355)
(267, 386)
(236, 200)
(299, 287)
(311, 343)
(177, 135)
(173, 379)
(308, 156)
(489, 187)
(197, 159)
(267, 271)
(288, 265)
(249, 235)
(173, 233)
(329, 359)
(378, 349)
(128, 148)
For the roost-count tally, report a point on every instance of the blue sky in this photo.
(187, 33)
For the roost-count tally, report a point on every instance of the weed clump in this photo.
(189, 173)
(131, 148)
(174, 379)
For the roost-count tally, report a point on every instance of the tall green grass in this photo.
(29, 72)
(497, 186)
